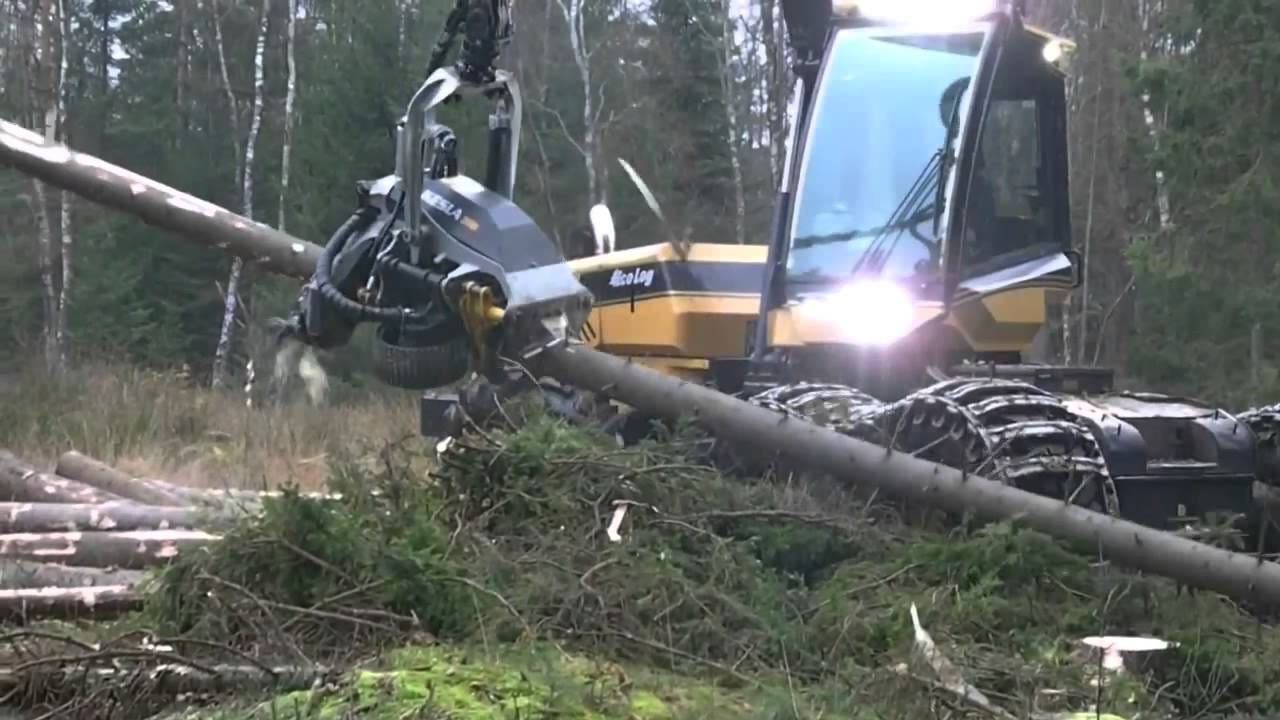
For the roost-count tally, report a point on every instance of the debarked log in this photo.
(252, 497)
(28, 575)
(58, 602)
(170, 678)
(69, 517)
(135, 550)
(19, 482)
(76, 466)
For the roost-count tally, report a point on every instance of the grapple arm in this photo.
(449, 268)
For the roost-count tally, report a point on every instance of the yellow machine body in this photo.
(678, 314)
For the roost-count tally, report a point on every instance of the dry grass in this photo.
(164, 425)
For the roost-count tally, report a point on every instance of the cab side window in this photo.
(1007, 211)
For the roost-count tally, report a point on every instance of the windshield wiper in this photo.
(908, 213)
(808, 241)
(933, 174)
(953, 125)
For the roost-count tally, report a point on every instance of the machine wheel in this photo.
(1086, 490)
(1008, 431)
(630, 427)
(420, 367)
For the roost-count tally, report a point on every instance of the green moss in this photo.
(645, 705)
(519, 682)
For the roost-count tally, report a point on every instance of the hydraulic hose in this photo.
(444, 42)
(352, 310)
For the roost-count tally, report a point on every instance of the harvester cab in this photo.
(923, 216)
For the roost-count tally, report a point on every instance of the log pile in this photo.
(78, 541)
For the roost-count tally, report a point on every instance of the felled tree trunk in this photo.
(98, 602)
(257, 496)
(131, 550)
(96, 473)
(27, 575)
(900, 474)
(19, 482)
(70, 517)
(156, 204)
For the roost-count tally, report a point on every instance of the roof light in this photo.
(911, 10)
(1053, 51)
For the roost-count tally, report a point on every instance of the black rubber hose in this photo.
(478, 48)
(444, 42)
(350, 309)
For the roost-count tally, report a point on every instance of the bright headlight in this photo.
(1053, 51)
(870, 312)
(919, 10)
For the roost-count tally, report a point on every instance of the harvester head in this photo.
(455, 275)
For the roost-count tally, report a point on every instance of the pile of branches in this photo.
(133, 674)
(649, 555)
(648, 552)
(323, 580)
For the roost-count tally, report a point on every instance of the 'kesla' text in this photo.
(443, 205)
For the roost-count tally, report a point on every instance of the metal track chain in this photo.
(1006, 430)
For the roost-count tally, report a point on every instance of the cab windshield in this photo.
(867, 197)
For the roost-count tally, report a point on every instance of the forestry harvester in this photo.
(920, 236)
(921, 240)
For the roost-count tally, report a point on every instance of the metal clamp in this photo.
(444, 84)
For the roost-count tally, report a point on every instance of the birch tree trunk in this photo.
(48, 283)
(402, 29)
(731, 113)
(1147, 11)
(232, 105)
(575, 19)
(183, 82)
(64, 198)
(1094, 140)
(290, 96)
(232, 301)
(46, 26)
(775, 62)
